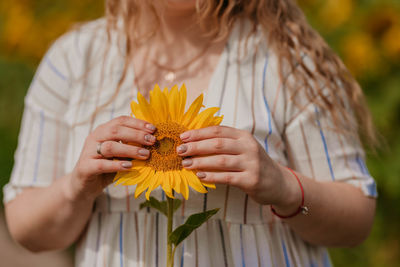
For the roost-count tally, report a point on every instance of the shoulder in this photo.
(81, 47)
(82, 35)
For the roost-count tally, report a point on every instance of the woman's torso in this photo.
(246, 87)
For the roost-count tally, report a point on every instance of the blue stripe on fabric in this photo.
(54, 69)
(108, 200)
(112, 110)
(372, 190)
(183, 252)
(162, 195)
(39, 147)
(241, 245)
(266, 104)
(98, 238)
(285, 254)
(362, 165)
(157, 219)
(221, 231)
(326, 260)
(121, 241)
(371, 187)
(325, 144)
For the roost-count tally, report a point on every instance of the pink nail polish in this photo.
(187, 162)
(126, 164)
(182, 148)
(149, 138)
(201, 175)
(151, 127)
(184, 135)
(143, 152)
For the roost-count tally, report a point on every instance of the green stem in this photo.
(170, 253)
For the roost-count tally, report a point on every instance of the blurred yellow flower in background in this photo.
(335, 12)
(391, 42)
(18, 24)
(360, 53)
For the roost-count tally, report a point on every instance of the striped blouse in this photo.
(75, 77)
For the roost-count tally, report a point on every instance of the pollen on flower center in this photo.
(165, 145)
(163, 155)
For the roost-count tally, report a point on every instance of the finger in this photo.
(210, 132)
(227, 178)
(216, 163)
(134, 123)
(124, 134)
(112, 149)
(211, 146)
(99, 166)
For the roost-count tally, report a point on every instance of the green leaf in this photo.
(161, 206)
(191, 224)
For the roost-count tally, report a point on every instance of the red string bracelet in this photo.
(303, 209)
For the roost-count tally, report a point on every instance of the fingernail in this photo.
(151, 127)
(187, 162)
(201, 175)
(184, 135)
(143, 152)
(149, 138)
(182, 148)
(126, 164)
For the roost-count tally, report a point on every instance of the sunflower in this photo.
(166, 111)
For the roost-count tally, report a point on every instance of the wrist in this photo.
(292, 196)
(73, 190)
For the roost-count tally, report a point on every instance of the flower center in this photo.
(163, 155)
(165, 145)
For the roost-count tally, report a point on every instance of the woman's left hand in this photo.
(225, 155)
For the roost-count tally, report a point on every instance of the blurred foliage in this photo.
(365, 33)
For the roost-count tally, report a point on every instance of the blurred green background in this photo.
(366, 34)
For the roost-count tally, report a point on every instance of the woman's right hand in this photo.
(94, 171)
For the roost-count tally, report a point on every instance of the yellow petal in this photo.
(144, 184)
(155, 182)
(121, 178)
(209, 185)
(173, 103)
(176, 182)
(120, 175)
(184, 184)
(146, 109)
(194, 181)
(166, 92)
(193, 111)
(136, 163)
(136, 110)
(182, 103)
(159, 103)
(170, 180)
(144, 173)
(166, 184)
(203, 118)
(215, 121)
(132, 173)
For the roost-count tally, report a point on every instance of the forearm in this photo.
(48, 218)
(339, 214)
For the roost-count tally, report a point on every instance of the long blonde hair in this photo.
(328, 84)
